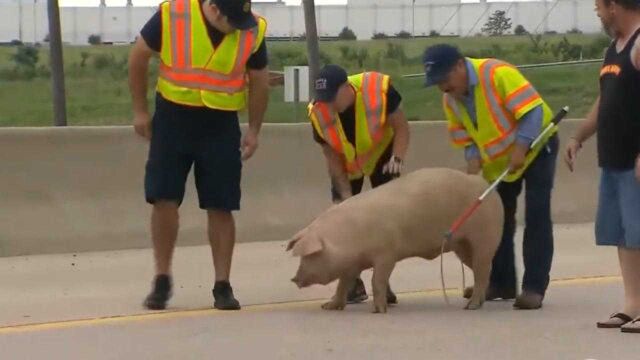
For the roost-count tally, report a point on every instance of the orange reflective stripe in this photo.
(178, 32)
(501, 145)
(522, 97)
(526, 102)
(352, 167)
(328, 125)
(359, 162)
(459, 135)
(246, 43)
(494, 104)
(187, 46)
(195, 81)
(234, 80)
(372, 86)
(200, 79)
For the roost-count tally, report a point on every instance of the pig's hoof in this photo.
(473, 305)
(379, 309)
(333, 305)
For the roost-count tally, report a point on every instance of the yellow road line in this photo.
(178, 314)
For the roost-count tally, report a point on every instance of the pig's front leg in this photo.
(339, 300)
(380, 282)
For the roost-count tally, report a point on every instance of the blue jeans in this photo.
(618, 220)
(538, 233)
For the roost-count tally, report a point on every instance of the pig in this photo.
(405, 218)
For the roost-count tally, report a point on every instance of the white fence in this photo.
(28, 22)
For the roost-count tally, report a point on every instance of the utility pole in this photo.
(35, 23)
(313, 47)
(413, 18)
(20, 20)
(57, 65)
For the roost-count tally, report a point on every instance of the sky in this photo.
(155, 2)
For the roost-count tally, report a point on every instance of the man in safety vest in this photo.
(213, 63)
(494, 113)
(362, 129)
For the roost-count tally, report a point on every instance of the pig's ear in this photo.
(292, 243)
(295, 239)
(307, 246)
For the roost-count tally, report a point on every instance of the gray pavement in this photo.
(87, 306)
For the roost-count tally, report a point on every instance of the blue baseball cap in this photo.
(438, 61)
(238, 12)
(328, 82)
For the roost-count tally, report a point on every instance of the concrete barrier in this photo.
(81, 189)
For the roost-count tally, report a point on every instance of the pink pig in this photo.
(405, 218)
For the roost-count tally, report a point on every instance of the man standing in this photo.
(210, 52)
(616, 118)
(494, 113)
(362, 129)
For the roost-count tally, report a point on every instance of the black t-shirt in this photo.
(348, 117)
(619, 111)
(152, 35)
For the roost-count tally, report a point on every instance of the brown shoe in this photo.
(615, 321)
(492, 294)
(632, 326)
(528, 301)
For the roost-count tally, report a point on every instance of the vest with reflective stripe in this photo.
(193, 72)
(498, 105)
(373, 135)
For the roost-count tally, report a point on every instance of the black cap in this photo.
(329, 80)
(238, 12)
(438, 61)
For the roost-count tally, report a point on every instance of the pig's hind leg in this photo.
(482, 257)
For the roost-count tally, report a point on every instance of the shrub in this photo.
(347, 34)
(380, 36)
(94, 39)
(404, 35)
(520, 30)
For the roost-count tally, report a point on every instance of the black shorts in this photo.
(207, 139)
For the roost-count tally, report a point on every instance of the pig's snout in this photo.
(296, 281)
(300, 283)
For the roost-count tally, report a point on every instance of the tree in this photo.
(520, 30)
(497, 24)
(347, 34)
(94, 39)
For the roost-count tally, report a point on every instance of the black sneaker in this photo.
(392, 299)
(223, 296)
(358, 293)
(161, 293)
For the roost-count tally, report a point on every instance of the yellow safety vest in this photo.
(373, 134)
(502, 97)
(192, 71)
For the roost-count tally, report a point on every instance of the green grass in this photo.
(101, 97)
